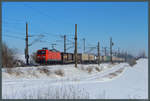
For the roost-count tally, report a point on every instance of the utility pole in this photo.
(114, 53)
(75, 51)
(84, 44)
(111, 44)
(126, 56)
(64, 43)
(98, 51)
(26, 49)
(118, 52)
(105, 50)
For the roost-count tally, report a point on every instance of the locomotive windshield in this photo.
(41, 52)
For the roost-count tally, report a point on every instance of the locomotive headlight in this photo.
(43, 56)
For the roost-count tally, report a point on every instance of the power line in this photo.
(42, 13)
(16, 37)
(30, 34)
(14, 32)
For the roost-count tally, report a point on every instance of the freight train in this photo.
(55, 57)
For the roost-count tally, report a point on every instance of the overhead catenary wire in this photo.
(7, 35)
(31, 34)
(45, 14)
(14, 32)
(14, 37)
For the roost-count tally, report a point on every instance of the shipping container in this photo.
(114, 58)
(64, 56)
(91, 57)
(85, 57)
(101, 58)
(106, 58)
(70, 56)
(67, 57)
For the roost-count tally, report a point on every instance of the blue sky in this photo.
(125, 22)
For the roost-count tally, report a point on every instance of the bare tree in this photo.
(8, 56)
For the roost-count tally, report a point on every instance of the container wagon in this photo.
(88, 58)
(85, 58)
(67, 58)
(91, 58)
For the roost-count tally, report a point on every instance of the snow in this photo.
(113, 81)
(21, 57)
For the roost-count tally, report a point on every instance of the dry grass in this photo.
(34, 74)
(120, 70)
(49, 92)
(111, 75)
(89, 69)
(59, 72)
(9, 71)
(97, 69)
(17, 73)
(12, 71)
(45, 71)
(114, 74)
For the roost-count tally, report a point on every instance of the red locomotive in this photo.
(48, 56)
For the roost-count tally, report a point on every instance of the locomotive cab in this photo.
(41, 56)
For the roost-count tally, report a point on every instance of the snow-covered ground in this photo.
(107, 81)
(21, 57)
